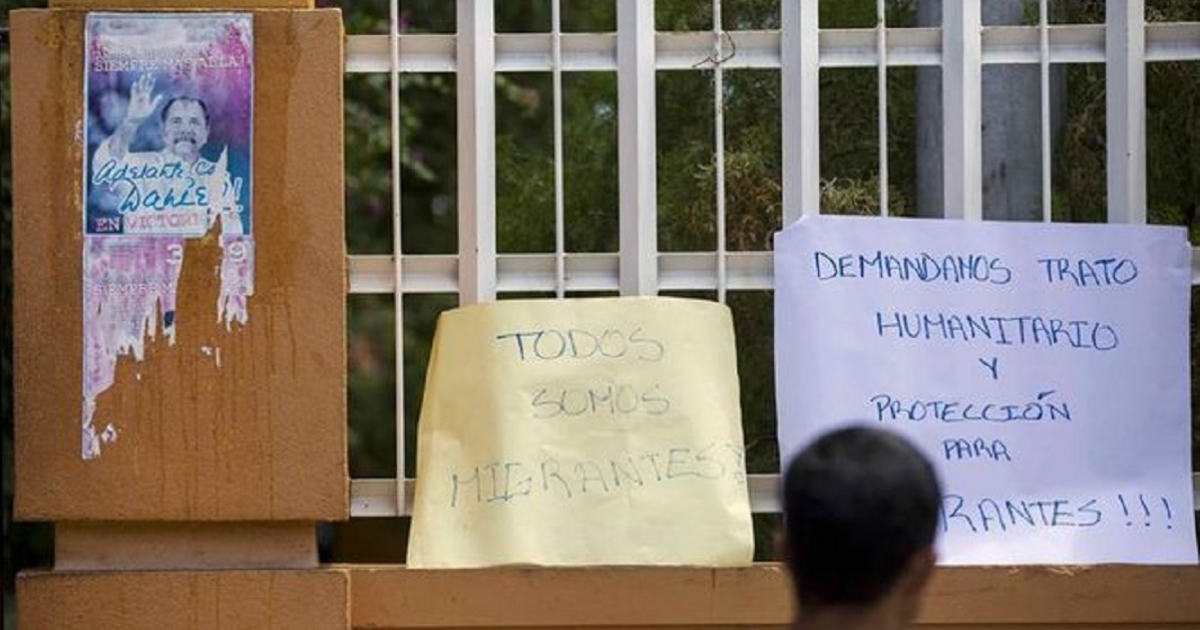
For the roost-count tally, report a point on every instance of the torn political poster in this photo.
(167, 137)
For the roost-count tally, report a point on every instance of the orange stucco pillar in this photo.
(224, 439)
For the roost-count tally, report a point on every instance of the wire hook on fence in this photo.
(713, 57)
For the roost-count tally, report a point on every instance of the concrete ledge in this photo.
(152, 600)
(757, 596)
(107, 546)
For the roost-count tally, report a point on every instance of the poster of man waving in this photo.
(169, 104)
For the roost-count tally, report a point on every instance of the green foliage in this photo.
(590, 173)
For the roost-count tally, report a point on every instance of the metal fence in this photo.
(799, 49)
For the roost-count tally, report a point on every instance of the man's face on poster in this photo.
(185, 128)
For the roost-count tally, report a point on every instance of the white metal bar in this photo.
(961, 111)
(697, 271)
(800, 83)
(1125, 83)
(418, 53)
(881, 68)
(750, 271)
(476, 81)
(1068, 43)
(377, 497)
(533, 52)
(838, 48)
(397, 225)
(718, 56)
(637, 147)
(419, 273)
(764, 493)
(905, 47)
(560, 281)
(1085, 43)
(859, 47)
(537, 272)
(1173, 41)
(1047, 167)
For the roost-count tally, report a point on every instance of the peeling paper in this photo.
(130, 288)
(128, 298)
(169, 98)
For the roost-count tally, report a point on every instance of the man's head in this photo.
(185, 127)
(860, 509)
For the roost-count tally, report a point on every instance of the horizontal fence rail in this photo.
(590, 272)
(839, 48)
(378, 497)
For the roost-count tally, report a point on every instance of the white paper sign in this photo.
(1042, 367)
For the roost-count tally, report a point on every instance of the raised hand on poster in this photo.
(141, 106)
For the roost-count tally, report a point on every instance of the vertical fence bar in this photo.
(962, 152)
(718, 54)
(800, 83)
(637, 146)
(397, 250)
(1047, 166)
(1125, 83)
(560, 245)
(882, 63)
(476, 82)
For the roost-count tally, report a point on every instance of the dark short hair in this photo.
(184, 99)
(858, 503)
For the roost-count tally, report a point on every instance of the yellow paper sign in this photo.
(581, 432)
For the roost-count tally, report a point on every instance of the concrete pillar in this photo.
(232, 439)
